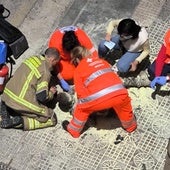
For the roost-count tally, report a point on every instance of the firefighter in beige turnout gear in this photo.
(25, 94)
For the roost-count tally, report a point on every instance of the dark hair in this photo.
(49, 52)
(128, 27)
(70, 41)
(66, 101)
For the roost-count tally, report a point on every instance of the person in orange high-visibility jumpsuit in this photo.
(98, 88)
(65, 39)
(159, 70)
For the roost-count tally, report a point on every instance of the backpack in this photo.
(12, 36)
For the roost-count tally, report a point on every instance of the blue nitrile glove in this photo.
(161, 80)
(65, 86)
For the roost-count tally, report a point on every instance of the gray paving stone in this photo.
(19, 10)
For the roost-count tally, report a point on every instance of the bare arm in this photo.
(145, 52)
(143, 55)
(111, 26)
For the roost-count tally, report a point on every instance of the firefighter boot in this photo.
(32, 124)
(141, 80)
(3, 111)
(6, 121)
(14, 122)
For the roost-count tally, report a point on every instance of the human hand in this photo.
(108, 37)
(53, 89)
(161, 80)
(65, 86)
(134, 65)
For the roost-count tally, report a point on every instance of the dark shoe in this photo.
(11, 122)
(119, 138)
(6, 123)
(65, 124)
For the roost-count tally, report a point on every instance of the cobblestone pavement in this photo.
(53, 148)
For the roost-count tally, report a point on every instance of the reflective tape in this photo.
(42, 85)
(26, 85)
(78, 122)
(33, 68)
(101, 93)
(128, 123)
(74, 128)
(24, 102)
(31, 123)
(97, 74)
(68, 28)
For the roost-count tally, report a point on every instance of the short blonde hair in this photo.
(80, 52)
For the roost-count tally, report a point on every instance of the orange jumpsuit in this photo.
(65, 67)
(99, 88)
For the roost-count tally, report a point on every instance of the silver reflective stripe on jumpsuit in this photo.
(101, 93)
(77, 123)
(97, 74)
(94, 96)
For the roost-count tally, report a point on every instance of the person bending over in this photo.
(97, 88)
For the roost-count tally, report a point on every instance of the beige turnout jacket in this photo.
(31, 77)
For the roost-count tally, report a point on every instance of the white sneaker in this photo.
(114, 68)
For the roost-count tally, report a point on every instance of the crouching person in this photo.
(97, 88)
(22, 104)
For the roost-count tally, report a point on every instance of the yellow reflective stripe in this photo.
(24, 102)
(26, 85)
(42, 125)
(32, 63)
(33, 68)
(42, 85)
(38, 61)
(35, 124)
(35, 61)
(42, 58)
(31, 123)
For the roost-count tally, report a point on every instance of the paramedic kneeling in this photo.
(97, 88)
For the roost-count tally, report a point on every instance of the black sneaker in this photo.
(65, 124)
